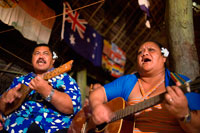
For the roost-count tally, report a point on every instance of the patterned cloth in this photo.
(43, 113)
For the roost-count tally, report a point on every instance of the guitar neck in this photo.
(62, 69)
(138, 107)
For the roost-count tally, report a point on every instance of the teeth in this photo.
(40, 63)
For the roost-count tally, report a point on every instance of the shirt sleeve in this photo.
(120, 87)
(71, 88)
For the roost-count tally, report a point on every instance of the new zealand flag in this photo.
(80, 36)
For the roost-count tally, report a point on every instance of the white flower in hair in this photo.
(55, 55)
(165, 52)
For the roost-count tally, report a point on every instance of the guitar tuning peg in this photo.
(187, 86)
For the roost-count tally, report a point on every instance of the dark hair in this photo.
(42, 44)
(157, 43)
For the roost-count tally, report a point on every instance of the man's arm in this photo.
(60, 100)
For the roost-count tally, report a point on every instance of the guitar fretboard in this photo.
(64, 68)
(138, 107)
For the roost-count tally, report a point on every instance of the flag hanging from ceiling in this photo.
(27, 18)
(113, 59)
(144, 6)
(81, 37)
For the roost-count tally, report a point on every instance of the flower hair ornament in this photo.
(55, 55)
(165, 52)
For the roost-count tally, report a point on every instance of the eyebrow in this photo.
(42, 51)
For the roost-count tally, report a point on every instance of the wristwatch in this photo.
(186, 118)
(49, 97)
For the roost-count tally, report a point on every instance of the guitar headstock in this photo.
(62, 69)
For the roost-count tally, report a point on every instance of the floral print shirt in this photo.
(43, 113)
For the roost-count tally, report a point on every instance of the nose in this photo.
(41, 55)
(145, 52)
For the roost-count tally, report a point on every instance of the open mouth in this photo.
(145, 60)
(41, 61)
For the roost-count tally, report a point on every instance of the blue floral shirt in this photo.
(46, 116)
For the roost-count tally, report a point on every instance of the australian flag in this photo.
(80, 36)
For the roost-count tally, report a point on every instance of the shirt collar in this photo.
(34, 75)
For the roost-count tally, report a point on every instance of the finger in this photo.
(178, 83)
(17, 87)
(32, 84)
(178, 91)
(96, 120)
(171, 92)
(36, 79)
(10, 99)
(17, 94)
(111, 116)
(168, 99)
(39, 78)
(108, 118)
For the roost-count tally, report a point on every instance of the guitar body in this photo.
(82, 122)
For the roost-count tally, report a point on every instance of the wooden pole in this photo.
(183, 52)
(82, 83)
(99, 7)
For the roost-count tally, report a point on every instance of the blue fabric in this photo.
(123, 86)
(193, 100)
(48, 118)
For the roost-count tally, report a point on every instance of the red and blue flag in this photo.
(80, 36)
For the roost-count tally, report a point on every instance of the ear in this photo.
(53, 61)
(164, 59)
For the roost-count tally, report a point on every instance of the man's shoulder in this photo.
(27, 76)
(31, 74)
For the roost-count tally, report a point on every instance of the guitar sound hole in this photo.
(101, 127)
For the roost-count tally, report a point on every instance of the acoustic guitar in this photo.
(82, 122)
(25, 90)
